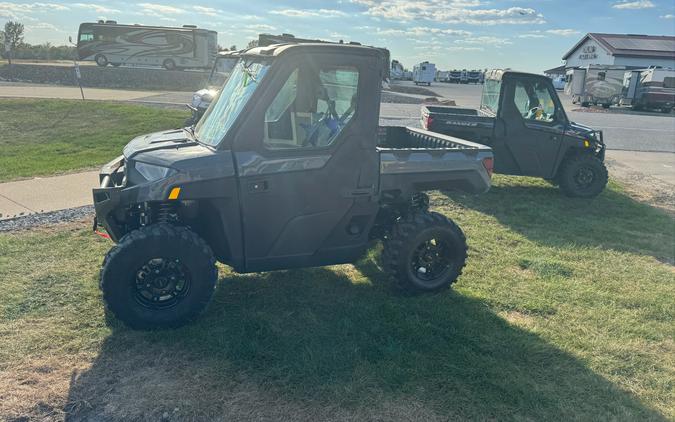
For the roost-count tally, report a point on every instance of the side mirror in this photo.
(70, 39)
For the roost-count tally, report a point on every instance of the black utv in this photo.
(522, 119)
(287, 168)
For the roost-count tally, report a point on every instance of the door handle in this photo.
(258, 186)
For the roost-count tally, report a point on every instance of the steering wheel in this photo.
(330, 119)
(536, 113)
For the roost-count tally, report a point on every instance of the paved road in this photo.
(26, 90)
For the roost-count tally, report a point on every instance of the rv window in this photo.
(601, 76)
(86, 37)
(669, 82)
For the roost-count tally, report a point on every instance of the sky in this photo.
(525, 35)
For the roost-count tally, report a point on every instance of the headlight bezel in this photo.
(152, 172)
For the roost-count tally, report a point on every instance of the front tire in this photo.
(582, 176)
(160, 276)
(101, 60)
(425, 252)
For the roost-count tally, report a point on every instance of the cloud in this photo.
(563, 32)
(150, 8)
(309, 13)
(96, 8)
(457, 11)
(485, 40)
(31, 7)
(419, 31)
(42, 25)
(532, 35)
(258, 28)
(639, 4)
(208, 11)
(669, 16)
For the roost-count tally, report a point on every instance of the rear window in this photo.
(490, 98)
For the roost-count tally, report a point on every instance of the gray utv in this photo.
(288, 168)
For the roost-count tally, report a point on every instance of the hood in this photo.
(581, 131)
(169, 139)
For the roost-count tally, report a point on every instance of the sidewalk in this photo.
(26, 90)
(46, 194)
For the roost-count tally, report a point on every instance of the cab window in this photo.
(534, 101)
(311, 108)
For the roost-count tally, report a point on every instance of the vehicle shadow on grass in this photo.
(540, 212)
(312, 345)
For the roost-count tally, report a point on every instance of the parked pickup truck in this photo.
(287, 168)
(522, 119)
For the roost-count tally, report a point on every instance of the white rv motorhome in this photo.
(424, 73)
(107, 42)
(442, 76)
(652, 88)
(595, 84)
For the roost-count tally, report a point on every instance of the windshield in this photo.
(490, 99)
(245, 78)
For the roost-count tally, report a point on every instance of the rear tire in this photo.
(425, 252)
(169, 64)
(585, 104)
(159, 276)
(582, 176)
(101, 60)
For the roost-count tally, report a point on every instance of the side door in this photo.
(530, 127)
(307, 164)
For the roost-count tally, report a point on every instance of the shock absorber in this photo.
(164, 212)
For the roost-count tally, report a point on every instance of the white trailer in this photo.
(424, 73)
(595, 84)
(173, 48)
(442, 76)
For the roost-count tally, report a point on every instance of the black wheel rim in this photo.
(584, 178)
(431, 260)
(161, 283)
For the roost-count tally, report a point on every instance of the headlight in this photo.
(152, 172)
(196, 99)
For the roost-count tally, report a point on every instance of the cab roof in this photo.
(499, 74)
(276, 50)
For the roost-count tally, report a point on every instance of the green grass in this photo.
(46, 137)
(565, 312)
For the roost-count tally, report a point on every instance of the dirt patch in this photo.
(145, 382)
(642, 187)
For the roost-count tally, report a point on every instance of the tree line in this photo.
(19, 49)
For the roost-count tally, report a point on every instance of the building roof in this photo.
(631, 45)
(560, 70)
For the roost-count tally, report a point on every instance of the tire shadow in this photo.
(313, 345)
(540, 212)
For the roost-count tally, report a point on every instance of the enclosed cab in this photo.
(523, 120)
(288, 168)
(107, 42)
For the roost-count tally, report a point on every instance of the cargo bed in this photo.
(418, 160)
